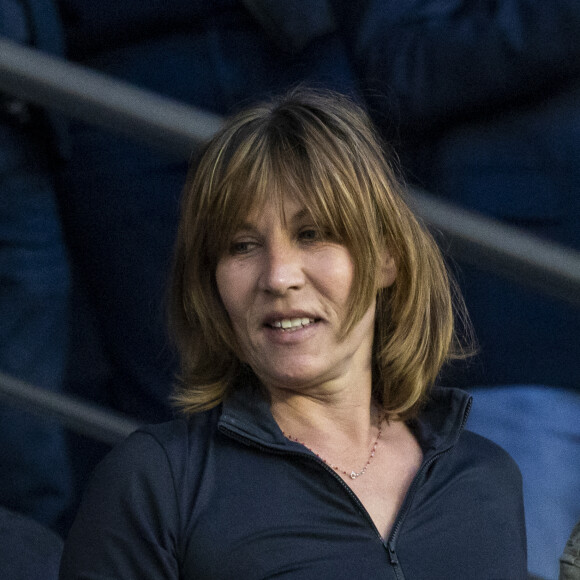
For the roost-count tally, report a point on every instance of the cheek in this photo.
(335, 274)
(225, 285)
(231, 300)
(234, 287)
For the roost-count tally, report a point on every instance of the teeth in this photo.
(292, 323)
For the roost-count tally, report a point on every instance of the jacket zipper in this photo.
(249, 441)
(390, 545)
(407, 504)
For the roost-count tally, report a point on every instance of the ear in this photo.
(388, 270)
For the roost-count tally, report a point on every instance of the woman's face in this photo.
(286, 288)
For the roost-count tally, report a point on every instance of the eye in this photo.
(315, 234)
(241, 247)
(310, 235)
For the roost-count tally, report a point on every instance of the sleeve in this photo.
(127, 523)
(434, 60)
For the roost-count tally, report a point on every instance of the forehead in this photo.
(286, 209)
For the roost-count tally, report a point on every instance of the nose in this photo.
(283, 268)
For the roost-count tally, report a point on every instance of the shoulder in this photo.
(474, 471)
(443, 425)
(130, 521)
(160, 448)
(477, 470)
(486, 482)
(468, 512)
(484, 467)
(482, 450)
(151, 469)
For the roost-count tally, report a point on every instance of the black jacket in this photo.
(226, 495)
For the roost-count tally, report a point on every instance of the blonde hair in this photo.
(321, 148)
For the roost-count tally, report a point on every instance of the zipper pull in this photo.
(393, 554)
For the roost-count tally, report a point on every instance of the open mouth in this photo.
(291, 324)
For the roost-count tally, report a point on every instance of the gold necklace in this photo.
(352, 474)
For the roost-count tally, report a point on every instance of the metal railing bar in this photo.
(86, 94)
(84, 418)
(171, 126)
(502, 249)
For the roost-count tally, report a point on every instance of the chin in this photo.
(294, 381)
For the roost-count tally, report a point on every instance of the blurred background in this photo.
(103, 104)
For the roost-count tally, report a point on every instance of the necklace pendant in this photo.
(353, 475)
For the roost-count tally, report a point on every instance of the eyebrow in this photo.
(300, 215)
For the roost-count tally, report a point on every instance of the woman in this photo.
(313, 313)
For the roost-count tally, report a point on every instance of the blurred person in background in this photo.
(28, 550)
(570, 559)
(483, 100)
(35, 476)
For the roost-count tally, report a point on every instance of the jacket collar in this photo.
(246, 412)
(441, 421)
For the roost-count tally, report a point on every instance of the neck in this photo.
(344, 436)
(346, 417)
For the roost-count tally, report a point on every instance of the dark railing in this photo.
(85, 94)
(550, 268)
(98, 423)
